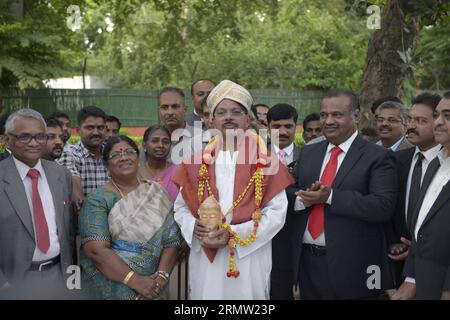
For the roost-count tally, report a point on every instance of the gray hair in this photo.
(404, 111)
(21, 114)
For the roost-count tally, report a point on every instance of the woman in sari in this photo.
(129, 239)
(156, 144)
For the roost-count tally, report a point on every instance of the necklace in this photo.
(257, 179)
(120, 190)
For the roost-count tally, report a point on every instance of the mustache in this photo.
(412, 131)
(283, 136)
(229, 122)
(440, 128)
(95, 136)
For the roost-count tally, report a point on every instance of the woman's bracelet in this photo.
(163, 274)
(128, 277)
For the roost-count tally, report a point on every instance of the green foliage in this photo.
(298, 140)
(279, 44)
(34, 46)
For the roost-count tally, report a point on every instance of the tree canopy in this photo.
(279, 44)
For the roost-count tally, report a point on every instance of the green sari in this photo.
(139, 226)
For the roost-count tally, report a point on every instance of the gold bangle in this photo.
(128, 277)
(163, 277)
(163, 274)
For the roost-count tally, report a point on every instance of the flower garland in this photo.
(257, 179)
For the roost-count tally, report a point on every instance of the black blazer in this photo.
(281, 277)
(364, 196)
(428, 260)
(397, 226)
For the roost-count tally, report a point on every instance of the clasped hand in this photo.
(317, 193)
(211, 239)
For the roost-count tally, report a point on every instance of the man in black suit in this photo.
(3, 138)
(427, 268)
(412, 164)
(282, 119)
(344, 194)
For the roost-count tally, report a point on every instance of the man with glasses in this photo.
(391, 120)
(35, 233)
(234, 261)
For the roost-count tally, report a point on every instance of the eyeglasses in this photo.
(235, 113)
(126, 153)
(26, 138)
(389, 120)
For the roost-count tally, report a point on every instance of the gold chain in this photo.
(120, 190)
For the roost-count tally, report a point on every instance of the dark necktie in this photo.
(40, 223)
(414, 189)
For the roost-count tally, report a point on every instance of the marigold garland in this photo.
(257, 179)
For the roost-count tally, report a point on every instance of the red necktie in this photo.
(282, 156)
(40, 223)
(315, 222)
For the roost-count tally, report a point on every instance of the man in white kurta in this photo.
(212, 274)
(209, 280)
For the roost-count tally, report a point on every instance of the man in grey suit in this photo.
(35, 227)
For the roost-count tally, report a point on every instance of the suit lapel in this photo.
(441, 199)
(296, 152)
(55, 184)
(429, 174)
(354, 154)
(404, 165)
(316, 166)
(15, 191)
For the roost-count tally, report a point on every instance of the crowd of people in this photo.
(351, 214)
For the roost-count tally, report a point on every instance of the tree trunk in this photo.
(385, 71)
(83, 72)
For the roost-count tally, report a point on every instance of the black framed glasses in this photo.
(126, 153)
(26, 138)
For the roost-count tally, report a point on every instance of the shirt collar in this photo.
(85, 151)
(430, 154)
(344, 146)
(289, 149)
(395, 146)
(443, 155)
(23, 168)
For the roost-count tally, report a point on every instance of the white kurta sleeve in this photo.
(273, 216)
(186, 221)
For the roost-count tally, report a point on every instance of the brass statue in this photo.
(210, 213)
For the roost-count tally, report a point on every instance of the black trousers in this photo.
(314, 278)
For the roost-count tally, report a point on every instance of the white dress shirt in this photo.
(47, 203)
(289, 152)
(429, 155)
(440, 179)
(345, 146)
